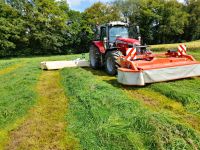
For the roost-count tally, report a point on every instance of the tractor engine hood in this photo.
(129, 41)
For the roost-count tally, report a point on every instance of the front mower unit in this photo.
(149, 68)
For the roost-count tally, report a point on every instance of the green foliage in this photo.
(100, 13)
(11, 29)
(161, 21)
(104, 117)
(80, 32)
(192, 31)
(38, 27)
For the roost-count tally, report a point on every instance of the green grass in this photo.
(7, 63)
(104, 117)
(18, 93)
(194, 45)
(101, 114)
(185, 91)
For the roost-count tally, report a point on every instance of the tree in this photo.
(172, 23)
(46, 26)
(100, 13)
(192, 31)
(161, 21)
(11, 30)
(79, 32)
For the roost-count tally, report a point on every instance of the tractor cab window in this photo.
(103, 33)
(118, 31)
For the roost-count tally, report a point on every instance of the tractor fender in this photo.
(100, 46)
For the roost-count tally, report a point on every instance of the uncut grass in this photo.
(104, 117)
(191, 46)
(17, 92)
(7, 63)
(16, 96)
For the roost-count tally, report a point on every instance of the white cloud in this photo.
(78, 2)
(74, 2)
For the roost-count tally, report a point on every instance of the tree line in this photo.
(46, 27)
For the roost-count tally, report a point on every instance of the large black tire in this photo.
(95, 57)
(111, 63)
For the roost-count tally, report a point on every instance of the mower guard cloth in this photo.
(140, 78)
(54, 65)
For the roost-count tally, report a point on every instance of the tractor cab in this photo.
(109, 32)
(112, 41)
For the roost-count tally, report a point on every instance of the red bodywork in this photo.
(121, 43)
(100, 46)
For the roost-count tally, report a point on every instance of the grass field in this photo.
(194, 45)
(81, 108)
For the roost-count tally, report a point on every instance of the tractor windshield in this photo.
(118, 31)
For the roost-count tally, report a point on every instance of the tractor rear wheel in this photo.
(95, 57)
(111, 63)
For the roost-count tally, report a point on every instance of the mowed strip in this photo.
(11, 68)
(45, 125)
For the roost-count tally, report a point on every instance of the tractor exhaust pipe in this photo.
(138, 32)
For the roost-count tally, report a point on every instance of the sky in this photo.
(81, 5)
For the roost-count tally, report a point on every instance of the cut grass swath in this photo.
(185, 91)
(44, 126)
(104, 117)
(18, 93)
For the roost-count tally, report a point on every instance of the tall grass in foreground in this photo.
(104, 117)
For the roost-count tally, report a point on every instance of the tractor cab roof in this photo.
(116, 23)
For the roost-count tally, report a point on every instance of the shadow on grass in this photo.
(101, 74)
(113, 80)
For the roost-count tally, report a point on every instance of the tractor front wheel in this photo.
(111, 64)
(95, 57)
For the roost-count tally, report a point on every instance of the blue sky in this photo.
(81, 5)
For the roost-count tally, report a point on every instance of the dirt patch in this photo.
(11, 68)
(45, 126)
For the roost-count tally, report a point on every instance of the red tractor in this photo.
(134, 64)
(112, 41)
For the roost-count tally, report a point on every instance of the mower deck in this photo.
(141, 72)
